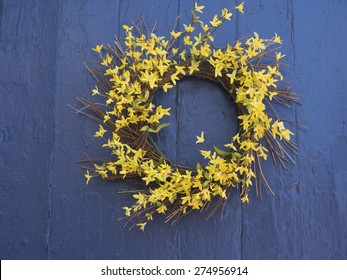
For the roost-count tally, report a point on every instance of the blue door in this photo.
(47, 211)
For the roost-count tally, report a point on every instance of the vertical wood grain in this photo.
(27, 55)
(161, 240)
(84, 224)
(270, 223)
(204, 106)
(321, 76)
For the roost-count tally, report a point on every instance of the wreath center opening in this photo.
(196, 105)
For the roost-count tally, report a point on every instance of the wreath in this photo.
(145, 65)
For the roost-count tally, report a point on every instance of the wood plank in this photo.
(304, 220)
(321, 76)
(270, 225)
(84, 224)
(204, 106)
(27, 55)
(159, 241)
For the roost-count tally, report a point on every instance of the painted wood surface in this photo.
(47, 211)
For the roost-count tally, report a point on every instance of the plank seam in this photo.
(52, 152)
(177, 128)
(237, 31)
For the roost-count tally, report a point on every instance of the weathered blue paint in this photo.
(47, 212)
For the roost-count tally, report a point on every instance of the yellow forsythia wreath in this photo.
(146, 64)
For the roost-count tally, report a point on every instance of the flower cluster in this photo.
(144, 64)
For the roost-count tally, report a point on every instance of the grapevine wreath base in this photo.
(145, 65)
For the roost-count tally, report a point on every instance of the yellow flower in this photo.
(164, 43)
(106, 117)
(95, 91)
(107, 60)
(141, 199)
(182, 55)
(180, 70)
(102, 173)
(201, 138)
(175, 34)
(97, 48)
(216, 22)
(279, 56)
(141, 226)
(194, 67)
(277, 39)
(187, 41)
(245, 199)
(205, 154)
(240, 7)
(88, 177)
(101, 132)
(174, 78)
(127, 28)
(150, 78)
(226, 14)
(198, 8)
(149, 216)
(127, 211)
(167, 86)
(162, 68)
(185, 199)
(189, 28)
(205, 50)
(286, 134)
(236, 138)
(205, 27)
(232, 76)
(161, 209)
